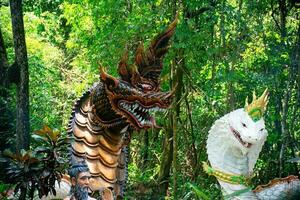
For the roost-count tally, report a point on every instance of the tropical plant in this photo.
(23, 170)
(38, 169)
(49, 153)
(5, 190)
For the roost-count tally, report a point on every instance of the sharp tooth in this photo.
(143, 121)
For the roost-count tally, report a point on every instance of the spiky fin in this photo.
(123, 68)
(106, 78)
(258, 106)
(148, 63)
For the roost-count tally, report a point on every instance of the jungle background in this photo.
(221, 52)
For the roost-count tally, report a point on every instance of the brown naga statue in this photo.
(104, 116)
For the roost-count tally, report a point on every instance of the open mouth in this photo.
(239, 138)
(141, 113)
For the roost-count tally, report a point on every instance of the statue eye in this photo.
(262, 129)
(244, 125)
(146, 87)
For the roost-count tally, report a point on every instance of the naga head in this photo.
(247, 126)
(136, 94)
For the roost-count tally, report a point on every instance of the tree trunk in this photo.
(193, 140)
(22, 126)
(287, 92)
(295, 64)
(177, 80)
(3, 59)
(230, 101)
(166, 161)
(285, 131)
(3, 79)
(5, 128)
(283, 15)
(296, 60)
(170, 145)
(146, 148)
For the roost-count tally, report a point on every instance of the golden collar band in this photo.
(226, 177)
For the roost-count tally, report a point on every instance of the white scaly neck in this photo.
(226, 156)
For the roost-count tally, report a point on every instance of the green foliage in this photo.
(4, 190)
(37, 169)
(198, 193)
(39, 6)
(23, 169)
(225, 49)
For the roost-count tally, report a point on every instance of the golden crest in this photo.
(258, 106)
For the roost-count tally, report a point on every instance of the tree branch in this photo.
(273, 16)
(196, 13)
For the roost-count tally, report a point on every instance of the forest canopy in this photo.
(221, 52)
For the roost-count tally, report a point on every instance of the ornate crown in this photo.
(258, 106)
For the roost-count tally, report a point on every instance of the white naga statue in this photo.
(233, 146)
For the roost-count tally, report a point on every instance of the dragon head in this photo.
(136, 95)
(247, 126)
(135, 103)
